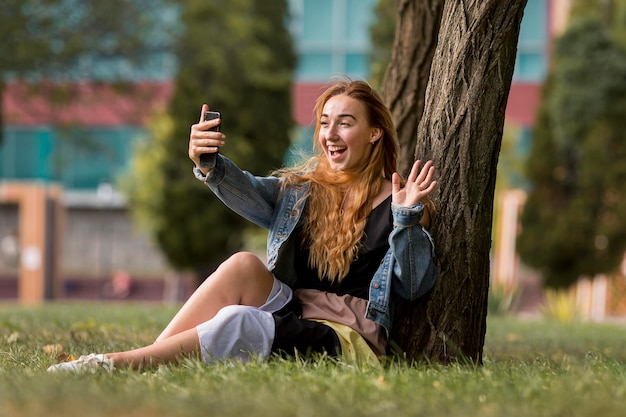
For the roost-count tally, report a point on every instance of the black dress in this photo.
(308, 336)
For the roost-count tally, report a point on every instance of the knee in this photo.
(246, 277)
(243, 262)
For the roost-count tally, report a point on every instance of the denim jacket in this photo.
(408, 268)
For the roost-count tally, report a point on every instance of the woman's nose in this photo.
(332, 130)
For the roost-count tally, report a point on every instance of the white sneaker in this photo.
(86, 363)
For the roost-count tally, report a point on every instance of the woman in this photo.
(344, 241)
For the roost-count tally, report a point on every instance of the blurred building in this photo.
(95, 145)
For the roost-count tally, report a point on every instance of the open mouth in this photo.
(336, 150)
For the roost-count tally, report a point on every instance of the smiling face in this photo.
(345, 134)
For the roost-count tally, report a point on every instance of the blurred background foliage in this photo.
(573, 221)
(65, 41)
(237, 57)
(382, 33)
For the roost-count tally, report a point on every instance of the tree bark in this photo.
(404, 84)
(461, 131)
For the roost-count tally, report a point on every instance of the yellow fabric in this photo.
(354, 349)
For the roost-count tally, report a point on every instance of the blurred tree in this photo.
(237, 57)
(382, 31)
(572, 224)
(71, 40)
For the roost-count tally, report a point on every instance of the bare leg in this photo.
(171, 349)
(242, 279)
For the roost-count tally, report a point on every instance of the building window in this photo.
(79, 159)
(331, 37)
(531, 62)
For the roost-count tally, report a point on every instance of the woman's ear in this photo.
(375, 135)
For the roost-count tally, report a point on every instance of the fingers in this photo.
(422, 175)
(205, 108)
(202, 140)
(425, 177)
(202, 131)
(395, 183)
(414, 171)
(419, 185)
(206, 124)
(430, 188)
(421, 180)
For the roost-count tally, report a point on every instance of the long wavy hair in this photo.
(339, 202)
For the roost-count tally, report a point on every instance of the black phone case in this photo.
(207, 160)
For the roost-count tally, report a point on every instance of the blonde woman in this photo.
(346, 238)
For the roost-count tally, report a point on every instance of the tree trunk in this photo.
(461, 131)
(405, 80)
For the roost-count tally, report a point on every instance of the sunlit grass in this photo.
(539, 368)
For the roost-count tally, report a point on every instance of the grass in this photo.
(538, 368)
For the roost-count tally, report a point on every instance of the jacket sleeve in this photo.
(413, 253)
(254, 198)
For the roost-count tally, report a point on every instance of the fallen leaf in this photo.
(65, 357)
(53, 349)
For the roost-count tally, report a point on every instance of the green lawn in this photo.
(532, 368)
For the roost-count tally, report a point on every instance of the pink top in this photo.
(344, 309)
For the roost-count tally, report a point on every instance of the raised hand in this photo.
(419, 184)
(202, 140)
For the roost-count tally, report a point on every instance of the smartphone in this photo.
(207, 160)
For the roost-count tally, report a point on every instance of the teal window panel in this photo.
(8, 148)
(85, 159)
(530, 67)
(313, 65)
(357, 64)
(26, 153)
(91, 156)
(78, 158)
(358, 18)
(531, 62)
(522, 148)
(317, 22)
(534, 27)
(331, 37)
